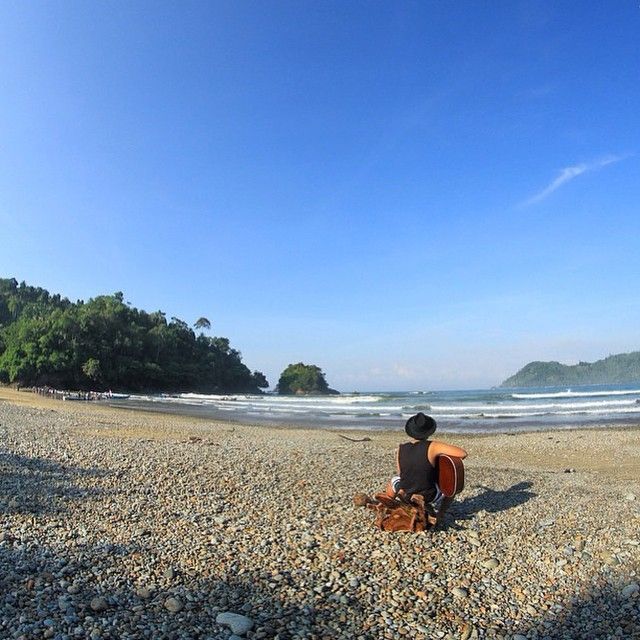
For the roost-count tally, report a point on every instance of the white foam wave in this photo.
(541, 405)
(395, 407)
(312, 400)
(575, 394)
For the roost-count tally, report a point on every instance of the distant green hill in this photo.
(620, 368)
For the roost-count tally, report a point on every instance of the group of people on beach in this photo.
(58, 394)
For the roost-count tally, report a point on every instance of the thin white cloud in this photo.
(569, 173)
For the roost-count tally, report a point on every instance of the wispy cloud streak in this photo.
(569, 173)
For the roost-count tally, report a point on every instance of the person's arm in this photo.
(439, 448)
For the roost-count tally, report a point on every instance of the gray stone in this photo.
(459, 592)
(630, 589)
(143, 592)
(238, 624)
(99, 603)
(173, 605)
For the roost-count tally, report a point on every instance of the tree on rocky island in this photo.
(303, 379)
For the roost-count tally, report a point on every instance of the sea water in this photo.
(479, 410)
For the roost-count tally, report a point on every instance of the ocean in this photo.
(479, 410)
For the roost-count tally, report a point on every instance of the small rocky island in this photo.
(303, 379)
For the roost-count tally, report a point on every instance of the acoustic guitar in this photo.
(450, 475)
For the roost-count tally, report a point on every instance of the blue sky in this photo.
(411, 195)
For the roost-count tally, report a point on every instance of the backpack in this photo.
(400, 513)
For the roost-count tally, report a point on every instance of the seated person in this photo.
(416, 466)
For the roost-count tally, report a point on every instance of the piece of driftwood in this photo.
(365, 439)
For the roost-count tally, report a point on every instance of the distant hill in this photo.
(620, 368)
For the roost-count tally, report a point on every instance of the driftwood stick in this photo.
(365, 439)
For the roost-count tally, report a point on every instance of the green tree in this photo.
(91, 369)
(202, 323)
(260, 380)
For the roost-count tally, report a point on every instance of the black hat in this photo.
(420, 426)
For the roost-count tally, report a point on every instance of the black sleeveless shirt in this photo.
(417, 474)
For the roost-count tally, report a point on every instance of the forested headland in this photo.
(616, 369)
(105, 343)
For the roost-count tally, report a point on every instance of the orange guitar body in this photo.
(450, 475)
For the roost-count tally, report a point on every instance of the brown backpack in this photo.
(400, 513)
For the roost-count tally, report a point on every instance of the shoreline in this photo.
(192, 412)
(536, 450)
(123, 524)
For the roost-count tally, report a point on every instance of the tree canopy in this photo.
(202, 323)
(303, 378)
(104, 343)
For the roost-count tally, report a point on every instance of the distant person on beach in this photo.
(416, 461)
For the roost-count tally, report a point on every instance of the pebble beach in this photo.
(122, 525)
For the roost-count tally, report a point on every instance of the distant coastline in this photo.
(622, 368)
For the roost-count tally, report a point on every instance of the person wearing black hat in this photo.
(416, 464)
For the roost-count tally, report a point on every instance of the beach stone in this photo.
(238, 624)
(518, 636)
(173, 605)
(170, 573)
(459, 592)
(282, 570)
(547, 522)
(143, 592)
(492, 563)
(99, 603)
(630, 497)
